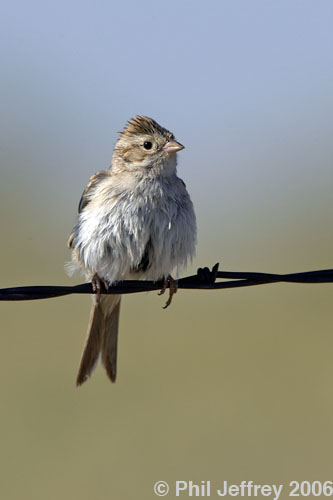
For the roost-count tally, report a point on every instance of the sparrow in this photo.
(136, 221)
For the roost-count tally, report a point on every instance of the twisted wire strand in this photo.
(203, 280)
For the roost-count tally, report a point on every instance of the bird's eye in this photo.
(147, 145)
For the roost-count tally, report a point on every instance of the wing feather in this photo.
(93, 182)
(87, 194)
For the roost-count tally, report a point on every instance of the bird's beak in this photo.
(173, 147)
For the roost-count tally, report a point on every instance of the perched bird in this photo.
(136, 221)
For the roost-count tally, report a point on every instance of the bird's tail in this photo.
(102, 337)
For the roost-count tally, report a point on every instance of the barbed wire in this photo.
(203, 280)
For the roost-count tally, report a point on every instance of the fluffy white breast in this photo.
(122, 218)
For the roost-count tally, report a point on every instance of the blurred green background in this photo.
(229, 385)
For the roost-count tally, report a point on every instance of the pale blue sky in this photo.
(74, 72)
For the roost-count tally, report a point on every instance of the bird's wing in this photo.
(87, 194)
(93, 182)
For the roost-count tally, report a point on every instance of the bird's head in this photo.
(144, 147)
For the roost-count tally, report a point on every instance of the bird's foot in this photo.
(97, 286)
(173, 287)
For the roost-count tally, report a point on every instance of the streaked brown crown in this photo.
(145, 125)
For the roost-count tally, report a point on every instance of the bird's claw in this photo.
(97, 286)
(173, 287)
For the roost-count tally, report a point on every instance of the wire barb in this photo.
(203, 280)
